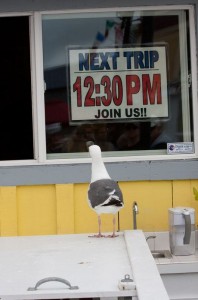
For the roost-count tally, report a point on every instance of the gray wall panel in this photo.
(126, 171)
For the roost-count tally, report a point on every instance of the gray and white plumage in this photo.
(104, 194)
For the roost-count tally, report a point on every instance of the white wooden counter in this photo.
(96, 266)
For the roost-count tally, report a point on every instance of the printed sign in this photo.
(118, 83)
(176, 148)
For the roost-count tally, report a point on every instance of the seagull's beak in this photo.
(89, 143)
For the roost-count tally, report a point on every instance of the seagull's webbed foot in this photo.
(113, 235)
(99, 235)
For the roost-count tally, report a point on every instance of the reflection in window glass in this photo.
(138, 32)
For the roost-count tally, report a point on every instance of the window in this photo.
(120, 79)
(125, 80)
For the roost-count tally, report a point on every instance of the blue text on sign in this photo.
(109, 60)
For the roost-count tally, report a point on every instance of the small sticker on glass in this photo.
(180, 148)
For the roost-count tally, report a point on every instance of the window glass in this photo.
(119, 79)
(15, 90)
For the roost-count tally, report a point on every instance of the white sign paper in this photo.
(118, 83)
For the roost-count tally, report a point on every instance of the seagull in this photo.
(104, 194)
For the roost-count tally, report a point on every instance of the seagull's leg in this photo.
(99, 226)
(114, 228)
(99, 235)
(114, 225)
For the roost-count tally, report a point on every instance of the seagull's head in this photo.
(94, 151)
(89, 143)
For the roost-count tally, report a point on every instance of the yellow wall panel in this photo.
(194, 183)
(36, 210)
(183, 194)
(85, 218)
(65, 208)
(153, 199)
(8, 211)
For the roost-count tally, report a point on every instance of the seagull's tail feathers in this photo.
(113, 200)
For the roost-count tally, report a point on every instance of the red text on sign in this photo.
(110, 89)
(151, 89)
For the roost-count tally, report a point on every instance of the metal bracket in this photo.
(127, 278)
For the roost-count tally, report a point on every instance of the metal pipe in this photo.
(135, 212)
